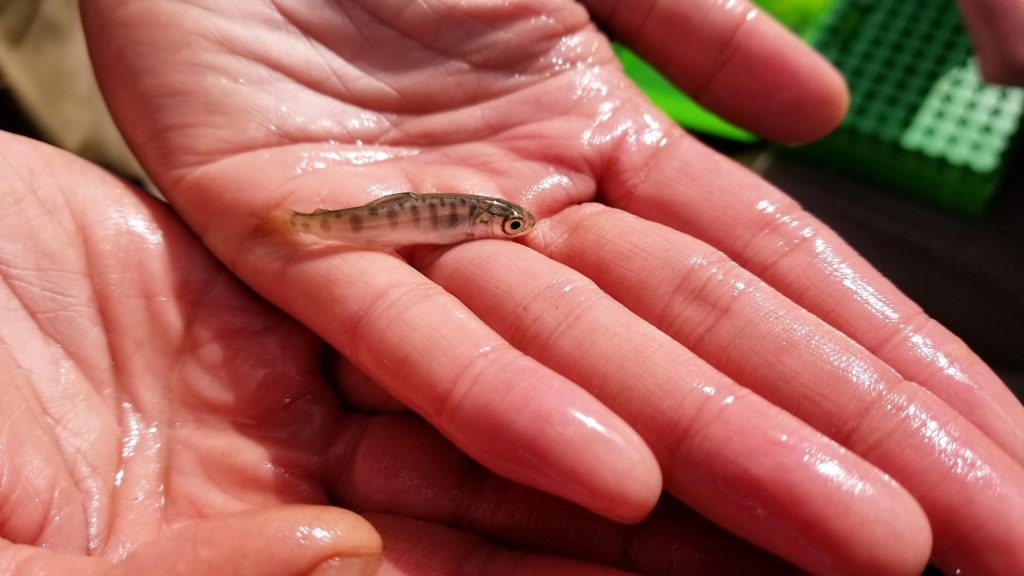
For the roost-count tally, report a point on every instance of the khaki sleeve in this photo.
(45, 66)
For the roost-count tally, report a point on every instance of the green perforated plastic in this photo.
(921, 120)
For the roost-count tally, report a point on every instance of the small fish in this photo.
(408, 218)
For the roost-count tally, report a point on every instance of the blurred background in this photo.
(925, 177)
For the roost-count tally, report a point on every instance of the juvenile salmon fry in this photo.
(409, 218)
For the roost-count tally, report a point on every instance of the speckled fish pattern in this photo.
(410, 218)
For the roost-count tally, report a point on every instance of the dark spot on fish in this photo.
(374, 210)
(453, 218)
(356, 223)
(477, 212)
(338, 214)
(393, 218)
(435, 216)
(462, 201)
(414, 211)
(325, 224)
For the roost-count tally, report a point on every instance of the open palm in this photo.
(145, 390)
(608, 346)
(160, 419)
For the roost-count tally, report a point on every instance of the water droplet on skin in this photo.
(945, 440)
(312, 534)
(143, 228)
(861, 290)
(590, 422)
(836, 473)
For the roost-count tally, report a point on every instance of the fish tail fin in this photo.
(278, 224)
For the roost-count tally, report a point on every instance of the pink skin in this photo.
(782, 475)
(995, 27)
(427, 552)
(160, 419)
(870, 409)
(418, 473)
(240, 109)
(146, 394)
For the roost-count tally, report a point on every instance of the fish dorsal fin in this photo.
(401, 196)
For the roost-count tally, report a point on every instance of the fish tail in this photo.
(278, 224)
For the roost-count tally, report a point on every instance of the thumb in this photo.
(286, 541)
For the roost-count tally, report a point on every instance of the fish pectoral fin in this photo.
(393, 198)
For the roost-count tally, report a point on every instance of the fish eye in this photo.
(513, 225)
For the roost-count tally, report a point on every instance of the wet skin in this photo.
(160, 419)
(748, 362)
(995, 27)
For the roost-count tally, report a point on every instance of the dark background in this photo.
(966, 272)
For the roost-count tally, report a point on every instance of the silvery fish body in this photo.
(408, 218)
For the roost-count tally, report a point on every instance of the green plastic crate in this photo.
(921, 120)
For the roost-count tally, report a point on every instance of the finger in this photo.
(399, 465)
(359, 390)
(736, 61)
(750, 332)
(692, 189)
(514, 415)
(723, 451)
(995, 27)
(420, 548)
(293, 540)
(283, 540)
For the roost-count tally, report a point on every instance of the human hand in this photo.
(156, 417)
(239, 110)
(160, 419)
(997, 31)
